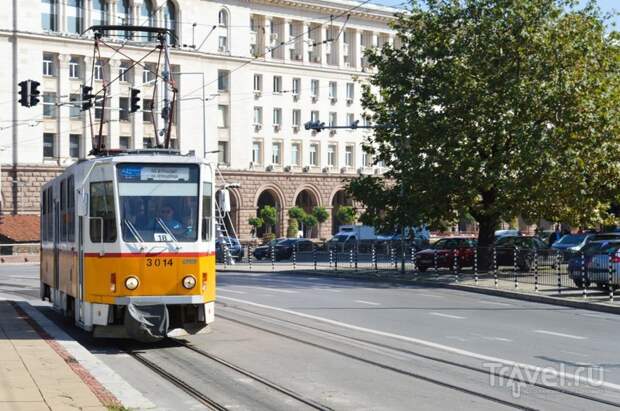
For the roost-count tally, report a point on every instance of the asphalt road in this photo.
(328, 343)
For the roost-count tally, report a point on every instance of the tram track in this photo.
(487, 372)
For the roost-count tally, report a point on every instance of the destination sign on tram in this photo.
(150, 173)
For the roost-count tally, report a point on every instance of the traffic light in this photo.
(23, 93)
(87, 98)
(135, 99)
(34, 93)
(314, 126)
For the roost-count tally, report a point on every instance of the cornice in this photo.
(374, 13)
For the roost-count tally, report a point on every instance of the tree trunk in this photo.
(486, 237)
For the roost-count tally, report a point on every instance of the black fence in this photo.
(519, 268)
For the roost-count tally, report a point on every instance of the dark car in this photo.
(525, 248)
(570, 244)
(231, 244)
(264, 251)
(442, 253)
(580, 265)
(284, 249)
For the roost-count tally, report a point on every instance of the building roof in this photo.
(19, 228)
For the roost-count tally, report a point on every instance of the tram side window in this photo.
(102, 211)
(50, 214)
(207, 198)
(44, 215)
(70, 221)
(63, 211)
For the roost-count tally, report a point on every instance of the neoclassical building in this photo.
(250, 73)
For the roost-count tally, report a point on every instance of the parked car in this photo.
(441, 254)
(570, 244)
(506, 233)
(526, 248)
(597, 268)
(234, 248)
(284, 249)
(603, 237)
(264, 251)
(576, 265)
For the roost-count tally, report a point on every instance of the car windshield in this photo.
(340, 238)
(158, 203)
(571, 239)
(601, 237)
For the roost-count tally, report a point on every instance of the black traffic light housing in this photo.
(87, 98)
(24, 100)
(34, 92)
(315, 126)
(135, 99)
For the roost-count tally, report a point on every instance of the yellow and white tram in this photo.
(127, 244)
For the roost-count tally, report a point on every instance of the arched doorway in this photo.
(341, 198)
(231, 218)
(307, 200)
(269, 198)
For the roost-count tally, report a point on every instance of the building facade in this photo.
(249, 74)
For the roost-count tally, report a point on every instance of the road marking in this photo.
(574, 337)
(502, 339)
(220, 289)
(599, 316)
(331, 290)
(270, 289)
(430, 344)
(456, 317)
(453, 337)
(574, 353)
(429, 295)
(366, 302)
(494, 302)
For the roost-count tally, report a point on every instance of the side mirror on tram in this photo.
(82, 205)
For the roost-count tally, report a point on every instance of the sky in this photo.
(605, 5)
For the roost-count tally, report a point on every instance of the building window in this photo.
(74, 12)
(296, 86)
(296, 118)
(350, 91)
(314, 116)
(276, 153)
(331, 155)
(314, 154)
(98, 70)
(49, 142)
(74, 68)
(147, 15)
(296, 154)
(222, 117)
(124, 142)
(314, 88)
(147, 111)
(75, 107)
(99, 108)
(258, 82)
(223, 77)
(74, 145)
(350, 119)
(123, 16)
(48, 65)
(148, 74)
(333, 119)
(257, 153)
(49, 15)
(49, 105)
(122, 71)
(277, 117)
(222, 18)
(123, 109)
(99, 12)
(333, 90)
(348, 155)
(258, 116)
(170, 21)
(365, 159)
(222, 153)
(277, 84)
(148, 142)
(222, 44)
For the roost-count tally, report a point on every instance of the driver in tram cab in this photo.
(167, 214)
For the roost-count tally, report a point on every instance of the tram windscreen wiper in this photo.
(167, 230)
(133, 230)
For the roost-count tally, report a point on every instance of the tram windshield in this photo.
(158, 202)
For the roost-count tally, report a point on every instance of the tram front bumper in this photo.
(160, 299)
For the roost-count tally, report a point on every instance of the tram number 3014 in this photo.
(159, 262)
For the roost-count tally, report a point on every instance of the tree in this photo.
(256, 222)
(497, 109)
(298, 215)
(293, 228)
(321, 215)
(346, 215)
(310, 221)
(269, 215)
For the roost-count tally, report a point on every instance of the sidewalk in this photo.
(38, 374)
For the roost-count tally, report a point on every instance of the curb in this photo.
(95, 373)
(584, 305)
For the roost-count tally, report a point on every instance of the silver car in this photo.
(598, 267)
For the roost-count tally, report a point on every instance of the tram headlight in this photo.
(189, 282)
(132, 283)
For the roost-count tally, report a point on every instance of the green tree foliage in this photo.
(495, 109)
(297, 213)
(269, 215)
(256, 222)
(346, 215)
(321, 214)
(293, 228)
(310, 221)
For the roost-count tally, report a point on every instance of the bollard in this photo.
(374, 258)
(250, 256)
(557, 266)
(357, 252)
(336, 261)
(272, 251)
(476, 265)
(610, 279)
(351, 258)
(331, 252)
(514, 267)
(495, 265)
(392, 259)
(535, 269)
(314, 255)
(583, 276)
(435, 260)
(295, 256)
(413, 259)
(455, 263)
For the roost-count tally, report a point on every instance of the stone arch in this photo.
(338, 198)
(307, 197)
(270, 195)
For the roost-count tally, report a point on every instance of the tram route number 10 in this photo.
(159, 262)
